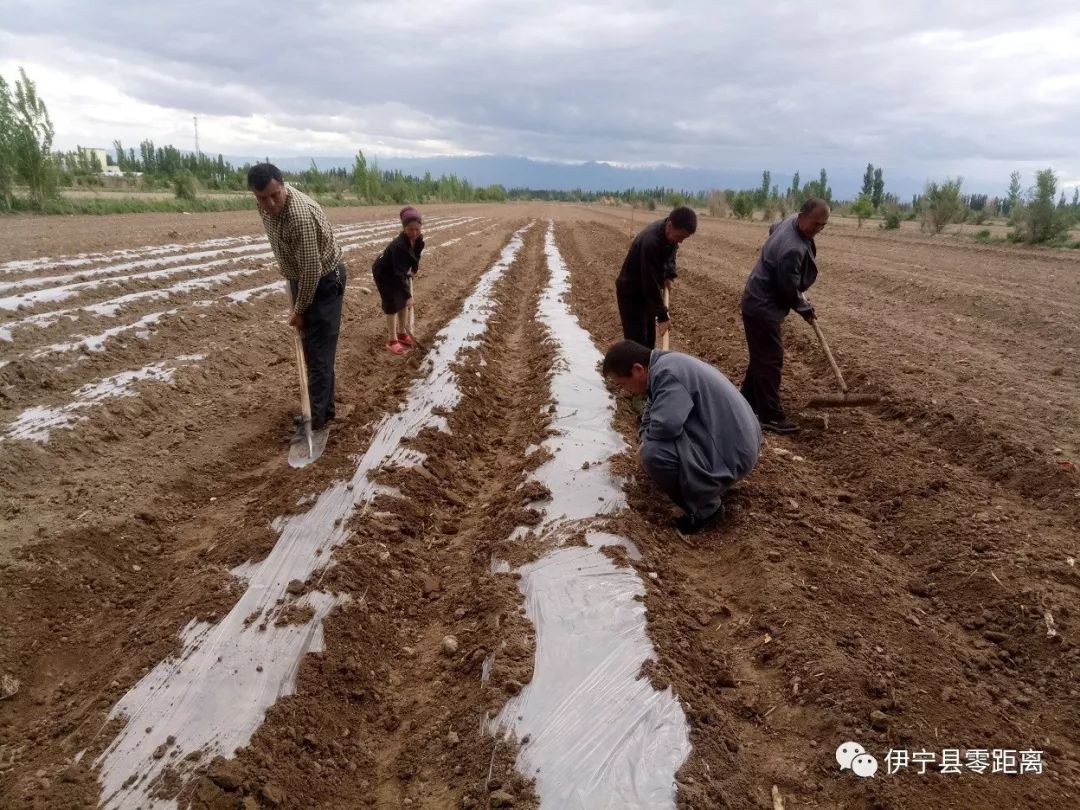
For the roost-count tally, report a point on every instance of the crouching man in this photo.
(698, 434)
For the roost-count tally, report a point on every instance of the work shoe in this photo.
(405, 339)
(688, 524)
(395, 347)
(781, 425)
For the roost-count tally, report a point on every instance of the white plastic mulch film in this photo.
(598, 735)
(210, 698)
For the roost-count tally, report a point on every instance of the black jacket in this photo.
(649, 262)
(398, 260)
(786, 268)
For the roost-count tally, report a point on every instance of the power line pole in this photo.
(196, 119)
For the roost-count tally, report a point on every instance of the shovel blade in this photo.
(306, 449)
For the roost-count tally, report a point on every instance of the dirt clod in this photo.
(879, 721)
(226, 774)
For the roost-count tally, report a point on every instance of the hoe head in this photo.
(844, 401)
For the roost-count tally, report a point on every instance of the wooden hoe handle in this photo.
(665, 341)
(828, 354)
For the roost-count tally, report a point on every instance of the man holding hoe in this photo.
(785, 270)
(647, 272)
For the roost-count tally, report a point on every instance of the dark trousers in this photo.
(322, 322)
(638, 323)
(661, 462)
(761, 385)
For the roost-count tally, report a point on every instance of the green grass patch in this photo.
(136, 205)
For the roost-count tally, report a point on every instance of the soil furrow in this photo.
(877, 513)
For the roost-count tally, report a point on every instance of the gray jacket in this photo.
(786, 268)
(715, 432)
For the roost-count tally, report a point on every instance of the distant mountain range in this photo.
(521, 172)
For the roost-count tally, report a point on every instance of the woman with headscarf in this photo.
(393, 271)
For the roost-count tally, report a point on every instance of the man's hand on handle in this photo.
(296, 320)
(669, 283)
(662, 327)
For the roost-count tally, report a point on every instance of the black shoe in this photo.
(688, 524)
(782, 425)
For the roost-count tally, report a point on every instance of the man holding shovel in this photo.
(310, 259)
(647, 272)
(785, 270)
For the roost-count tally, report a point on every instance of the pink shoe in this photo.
(395, 347)
(405, 339)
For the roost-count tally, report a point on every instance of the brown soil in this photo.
(897, 559)
(904, 562)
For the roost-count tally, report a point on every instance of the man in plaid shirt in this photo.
(310, 259)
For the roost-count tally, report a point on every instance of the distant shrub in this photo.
(185, 187)
(1040, 220)
(941, 204)
(892, 219)
(862, 208)
(743, 205)
(983, 236)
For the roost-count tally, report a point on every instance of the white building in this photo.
(100, 156)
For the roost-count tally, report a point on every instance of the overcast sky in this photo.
(924, 89)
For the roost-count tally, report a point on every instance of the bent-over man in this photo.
(698, 434)
(309, 257)
(648, 268)
(785, 270)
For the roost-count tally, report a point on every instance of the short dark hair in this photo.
(260, 175)
(623, 356)
(812, 205)
(684, 219)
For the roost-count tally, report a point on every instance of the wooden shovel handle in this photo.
(828, 355)
(301, 364)
(305, 399)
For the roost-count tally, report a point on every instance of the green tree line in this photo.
(1037, 214)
